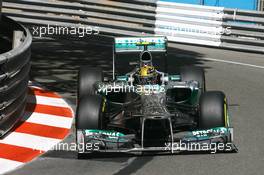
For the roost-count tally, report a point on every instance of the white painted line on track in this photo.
(233, 62)
(222, 61)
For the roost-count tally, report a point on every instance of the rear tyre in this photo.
(189, 73)
(87, 78)
(213, 110)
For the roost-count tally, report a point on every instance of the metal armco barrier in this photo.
(181, 23)
(113, 18)
(212, 26)
(189, 23)
(14, 71)
(247, 30)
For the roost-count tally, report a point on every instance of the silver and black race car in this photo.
(146, 110)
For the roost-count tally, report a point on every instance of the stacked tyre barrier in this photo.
(14, 71)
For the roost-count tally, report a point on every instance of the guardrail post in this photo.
(17, 38)
(0, 9)
(260, 5)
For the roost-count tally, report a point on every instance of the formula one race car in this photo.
(146, 110)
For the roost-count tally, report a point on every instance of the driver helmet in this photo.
(147, 72)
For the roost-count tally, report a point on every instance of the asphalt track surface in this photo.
(240, 75)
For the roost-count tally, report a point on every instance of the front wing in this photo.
(212, 140)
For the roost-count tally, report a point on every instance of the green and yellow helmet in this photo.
(147, 75)
(147, 71)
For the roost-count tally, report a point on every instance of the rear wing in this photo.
(157, 44)
(138, 44)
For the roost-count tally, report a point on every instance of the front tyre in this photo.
(87, 78)
(90, 112)
(213, 110)
(89, 115)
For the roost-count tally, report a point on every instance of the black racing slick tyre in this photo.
(213, 110)
(87, 78)
(90, 112)
(189, 73)
(89, 115)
